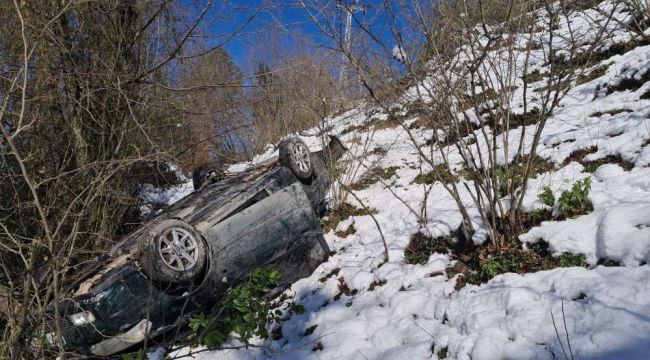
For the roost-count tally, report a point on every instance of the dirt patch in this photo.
(453, 134)
(423, 122)
(416, 107)
(584, 59)
(632, 83)
(390, 123)
(580, 5)
(530, 118)
(499, 120)
(645, 95)
(591, 75)
(591, 166)
(310, 330)
(422, 246)
(442, 353)
(533, 77)
(477, 265)
(373, 175)
(578, 155)
(276, 333)
(513, 174)
(379, 151)
(353, 128)
(376, 123)
(375, 284)
(347, 232)
(344, 289)
(334, 272)
(356, 140)
(611, 113)
(440, 173)
(334, 216)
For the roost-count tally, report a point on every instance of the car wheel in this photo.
(295, 155)
(174, 254)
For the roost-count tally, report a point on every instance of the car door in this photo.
(260, 233)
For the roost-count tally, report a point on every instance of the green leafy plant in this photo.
(134, 356)
(539, 215)
(506, 177)
(442, 353)
(575, 202)
(242, 311)
(571, 260)
(503, 262)
(547, 196)
(486, 264)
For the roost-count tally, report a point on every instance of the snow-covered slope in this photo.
(357, 307)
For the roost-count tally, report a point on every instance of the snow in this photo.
(152, 199)
(403, 311)
(617, 229)
(399, 54)
(606, 312)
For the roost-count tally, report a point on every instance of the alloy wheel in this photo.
(178, 249)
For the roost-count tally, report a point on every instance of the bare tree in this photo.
(294, 88)
(461, 65)
(87, 114)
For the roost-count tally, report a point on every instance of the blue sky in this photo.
(285, 15)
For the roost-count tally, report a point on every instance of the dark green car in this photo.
(186, 258)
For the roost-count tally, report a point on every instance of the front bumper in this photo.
(125, 309)
(115, 344)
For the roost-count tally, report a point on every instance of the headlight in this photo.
(82, 318)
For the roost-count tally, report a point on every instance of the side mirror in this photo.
(205, 174)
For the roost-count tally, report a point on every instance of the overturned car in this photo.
(186, 258)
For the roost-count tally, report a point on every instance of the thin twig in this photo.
(566, 332)
(557, 334)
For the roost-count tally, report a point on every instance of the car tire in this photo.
(295, 155)
(174, 254)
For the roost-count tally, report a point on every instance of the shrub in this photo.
(575, 202)
(547, 196)
(241, 311)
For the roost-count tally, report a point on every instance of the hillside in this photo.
(422, 304)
